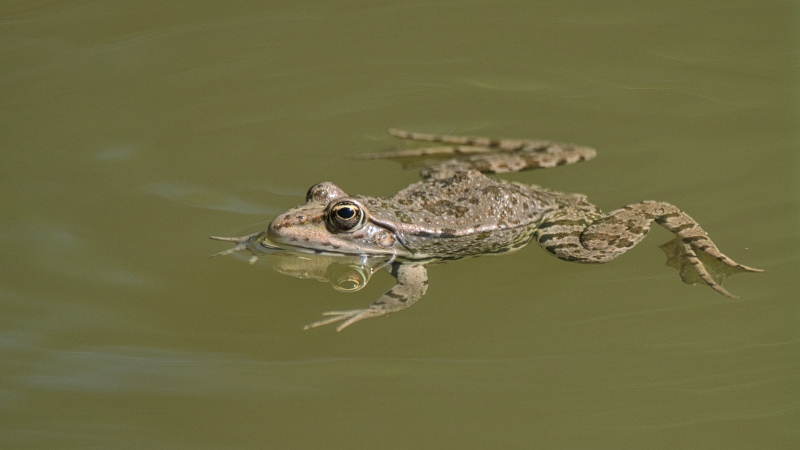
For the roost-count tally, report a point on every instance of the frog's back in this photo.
(468, 213)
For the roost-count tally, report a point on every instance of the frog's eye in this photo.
(346, 215)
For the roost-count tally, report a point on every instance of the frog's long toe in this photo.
(349, 317)
(704, 264)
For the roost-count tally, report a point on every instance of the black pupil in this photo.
(346, 212)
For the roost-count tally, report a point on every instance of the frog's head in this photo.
(332, 222)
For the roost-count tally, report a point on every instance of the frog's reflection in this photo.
(345, 273)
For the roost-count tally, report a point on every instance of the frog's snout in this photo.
(291, 225)
(278, 226)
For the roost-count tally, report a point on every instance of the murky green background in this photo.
(131, 131)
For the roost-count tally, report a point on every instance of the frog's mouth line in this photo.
(315, 251)
(259, 244)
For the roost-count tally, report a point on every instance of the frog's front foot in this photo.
(412, 282)
(349, 317)
(702, 263)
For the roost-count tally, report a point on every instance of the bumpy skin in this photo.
(463, 215)
(457, 212)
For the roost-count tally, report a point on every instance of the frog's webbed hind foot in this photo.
(485, 155)
(692, 253)
(412, 282)
(702, 264)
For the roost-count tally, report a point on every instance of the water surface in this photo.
(131, 132)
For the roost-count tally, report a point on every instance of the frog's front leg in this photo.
(412, 282)
(598, 239)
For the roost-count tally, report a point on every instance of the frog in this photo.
(458, 211)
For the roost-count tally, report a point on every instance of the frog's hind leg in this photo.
(507, 145)
(486, 155)
(692, 253)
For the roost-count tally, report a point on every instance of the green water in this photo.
(131, 131)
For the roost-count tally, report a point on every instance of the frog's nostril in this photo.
(277, 224)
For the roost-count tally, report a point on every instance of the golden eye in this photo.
(346, 215)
